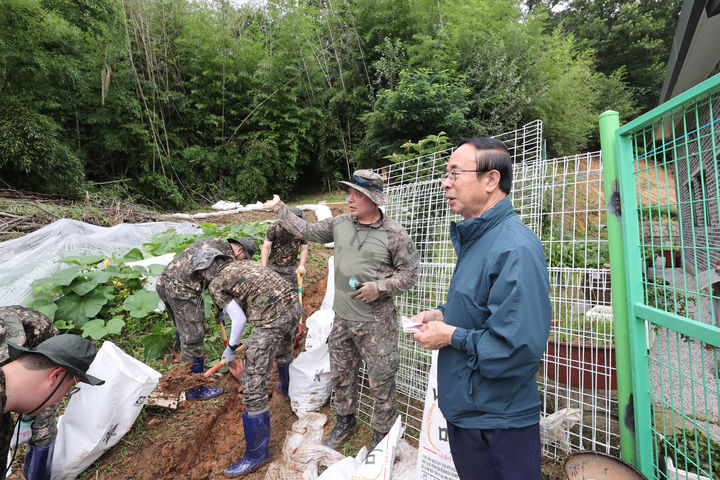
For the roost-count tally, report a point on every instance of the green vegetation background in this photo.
(177, 102)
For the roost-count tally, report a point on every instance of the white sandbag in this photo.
(378, 465)
(346, 468)
(310, 381)
(303, 451)
(97, 417)
(405, 461)
(434, 458)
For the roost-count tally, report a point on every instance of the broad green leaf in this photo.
(133, 255)
(115, 325)
(94, 301)
(83, 260)
(139, 270)
(70, 309)
(83, 285)
(44, 304)
(140, 303)
(62, 325)
(156, 342)
(94, 329)
(54, 282)
(155, 269)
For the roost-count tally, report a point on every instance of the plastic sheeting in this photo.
(35, 255)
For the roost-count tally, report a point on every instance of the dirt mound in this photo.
(179, 379)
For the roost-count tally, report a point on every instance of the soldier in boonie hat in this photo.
(369, 183)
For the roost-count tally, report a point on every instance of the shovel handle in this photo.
(224, 334)
(215, 368)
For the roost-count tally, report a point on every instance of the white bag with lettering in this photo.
(97, 417)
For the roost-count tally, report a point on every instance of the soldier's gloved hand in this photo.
(300, 271)
(273, 204)
(368, 292)
(229, 354)
(220, 316)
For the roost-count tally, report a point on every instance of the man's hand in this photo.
(220, 316)
(272, 204)
(367, 293)
(229, 354)
(300, 270)
(428, 316)
(434, 335)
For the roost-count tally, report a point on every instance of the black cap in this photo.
(70, 351)
(247, 243)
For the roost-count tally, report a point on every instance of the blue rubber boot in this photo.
(202, 392)
(38, 462)
(284, 374)
(257, 437)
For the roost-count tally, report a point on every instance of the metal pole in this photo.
(609, 122)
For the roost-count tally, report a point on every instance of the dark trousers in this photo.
(500, 454)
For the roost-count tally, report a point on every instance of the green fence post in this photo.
(609, 123)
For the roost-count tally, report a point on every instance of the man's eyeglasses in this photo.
(452, 174)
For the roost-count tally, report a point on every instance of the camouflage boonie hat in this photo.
(369, 183)
(204, 258)
(248, 245)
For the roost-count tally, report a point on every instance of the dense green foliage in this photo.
(182, 101)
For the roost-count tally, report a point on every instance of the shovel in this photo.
(240, 351)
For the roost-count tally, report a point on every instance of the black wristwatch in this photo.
(235, 347)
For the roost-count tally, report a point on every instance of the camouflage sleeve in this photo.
(321, 231)
(44, 428)
(271, 231)
(405, 259)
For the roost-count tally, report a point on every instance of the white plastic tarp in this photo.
(35, 255)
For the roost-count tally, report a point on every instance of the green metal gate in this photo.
(668, 167)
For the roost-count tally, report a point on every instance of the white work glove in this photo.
(229, 354)
(368, 292)
(300, 271)
(273, 204)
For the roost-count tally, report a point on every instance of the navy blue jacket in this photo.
(499, 300)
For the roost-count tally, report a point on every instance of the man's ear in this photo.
(57, 374)
(492, 179)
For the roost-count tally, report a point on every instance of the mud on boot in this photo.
(344, 427)
(376, 438)
(202, 392)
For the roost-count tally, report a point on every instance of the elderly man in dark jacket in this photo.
(492, 330)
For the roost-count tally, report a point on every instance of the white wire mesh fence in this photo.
(561, 200)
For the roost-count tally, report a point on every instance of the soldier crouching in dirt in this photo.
(273, 310)
(180, 288)
(29, 328)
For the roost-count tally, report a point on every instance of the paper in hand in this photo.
(408, 325)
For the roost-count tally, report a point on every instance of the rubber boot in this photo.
(202, 392)
(376, 438)
(284, 374)
(38, 462)
(344, 427)
(257, 437)
(177, 339)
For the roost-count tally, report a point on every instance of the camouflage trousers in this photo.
(266, 344)
(188, 315)
(286, 272)
(376, 342)
(44, 426)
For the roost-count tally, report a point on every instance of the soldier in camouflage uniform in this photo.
(272, 308)
(280, 251)
(25, 326)
(181, 288)
(374, 261)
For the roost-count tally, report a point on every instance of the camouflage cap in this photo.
(369, 183)
(248, 245)
(70, 351)
(204, 258)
